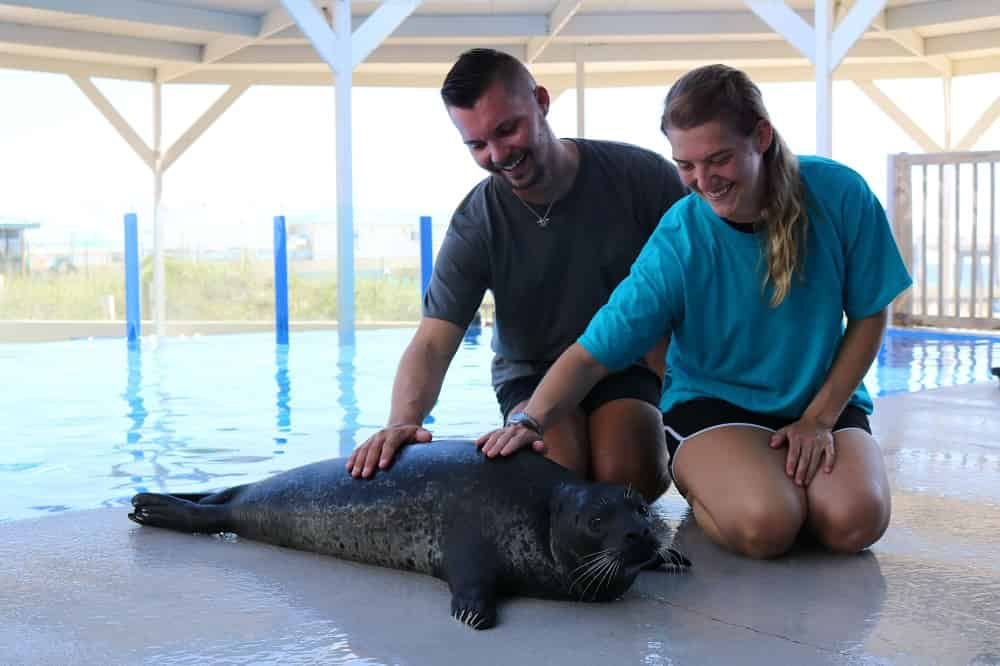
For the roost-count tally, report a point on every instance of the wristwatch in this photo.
(523, 419)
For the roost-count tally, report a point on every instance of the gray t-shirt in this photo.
(548, 282)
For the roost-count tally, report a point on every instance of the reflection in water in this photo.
(917, 360)
(133, 396)
(348, 399)
(284, 396)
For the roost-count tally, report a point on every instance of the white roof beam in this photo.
(108, 110)
(966, 42)
(143, 12)
(856, 22)
(790, 25)
(976, 132)
(92, 42)
(622, 24)
(557, 20)
(940, 11)
(437, 26)
(905, 123)
(381, 23)
(202, 124)
(710, 51)
(75, 67)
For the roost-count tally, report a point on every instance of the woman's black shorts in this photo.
(688, 419)
(636, 381)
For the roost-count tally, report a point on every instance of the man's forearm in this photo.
(418, 383)
(862, 340)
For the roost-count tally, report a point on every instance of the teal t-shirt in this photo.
(701, 281)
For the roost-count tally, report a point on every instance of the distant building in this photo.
(13, 247)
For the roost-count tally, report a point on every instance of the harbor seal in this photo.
(520, 525)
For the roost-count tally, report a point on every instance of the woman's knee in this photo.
(853, 523)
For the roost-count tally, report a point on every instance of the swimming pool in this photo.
(88, 423)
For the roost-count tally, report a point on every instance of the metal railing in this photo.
(944, 213)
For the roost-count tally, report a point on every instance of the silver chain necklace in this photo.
(542, 221)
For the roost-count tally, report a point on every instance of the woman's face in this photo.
(723, 167)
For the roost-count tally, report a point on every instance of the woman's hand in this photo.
(509, 439)
(808, 442)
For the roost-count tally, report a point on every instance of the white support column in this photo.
(159, 267)
(822, 45)
(343, 60)
(946, 89)
(823, 34)
(581, 86)
(342, 50)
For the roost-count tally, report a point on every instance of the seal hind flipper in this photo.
(175, 513)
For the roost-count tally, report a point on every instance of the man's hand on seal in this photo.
(379, 449)
(518, 433)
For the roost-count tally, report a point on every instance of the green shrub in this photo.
(241, 290)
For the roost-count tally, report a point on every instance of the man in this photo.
(552, 231)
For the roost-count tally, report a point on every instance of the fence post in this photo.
(426, 256)
(133, 320)
(280, 281)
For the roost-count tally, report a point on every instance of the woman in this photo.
(752, 274)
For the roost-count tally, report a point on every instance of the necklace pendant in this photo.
(543, 221)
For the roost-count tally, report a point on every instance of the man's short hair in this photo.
(478, 69)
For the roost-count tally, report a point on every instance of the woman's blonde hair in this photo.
(727, 95)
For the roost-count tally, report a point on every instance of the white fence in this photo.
(944, 212)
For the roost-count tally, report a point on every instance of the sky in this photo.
(272, 152)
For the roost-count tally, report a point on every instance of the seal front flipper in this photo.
(472, 577)
(669, 561)
(174, 513)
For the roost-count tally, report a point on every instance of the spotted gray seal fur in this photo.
(520, 525)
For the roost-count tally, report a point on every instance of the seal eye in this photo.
(595, 523)
(643, 510)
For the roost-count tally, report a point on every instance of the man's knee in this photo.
(627, 447)
(651, 478)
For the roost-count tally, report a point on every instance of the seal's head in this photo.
(601, 535)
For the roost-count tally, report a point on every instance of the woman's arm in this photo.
(566, 383)
(811, 437)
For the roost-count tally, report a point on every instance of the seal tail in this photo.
(176, 513)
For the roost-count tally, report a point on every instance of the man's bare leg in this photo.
(627, 446)
(566, 442)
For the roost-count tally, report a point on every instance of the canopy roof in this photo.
(622, 42)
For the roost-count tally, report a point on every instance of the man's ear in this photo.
(764, 134)
(542, 97)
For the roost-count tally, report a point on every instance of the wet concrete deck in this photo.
(91, 587)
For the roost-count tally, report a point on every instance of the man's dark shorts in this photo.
(637, 381)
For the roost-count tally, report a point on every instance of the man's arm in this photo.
(416, 388)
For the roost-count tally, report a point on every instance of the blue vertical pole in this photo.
(426, 257)
(133, 321)
(280, 281)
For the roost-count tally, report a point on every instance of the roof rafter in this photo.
(144, 12)
(81, 41)
(272, 23)
(557, 20)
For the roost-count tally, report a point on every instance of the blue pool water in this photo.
(89, 423)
